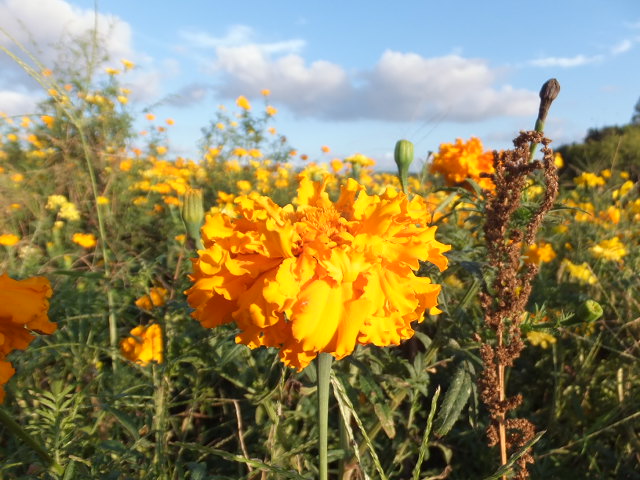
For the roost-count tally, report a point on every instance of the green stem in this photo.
(324, 373)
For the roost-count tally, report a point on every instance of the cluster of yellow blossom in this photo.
(459, 161)
(612, 249)
(66, 209)
(320, 276)
(24, 306)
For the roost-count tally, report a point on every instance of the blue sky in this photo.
(356, 75)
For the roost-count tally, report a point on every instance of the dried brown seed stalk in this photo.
(504, 301)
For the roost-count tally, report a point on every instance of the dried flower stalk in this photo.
(504, 301)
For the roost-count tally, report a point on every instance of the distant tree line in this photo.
(613, 147)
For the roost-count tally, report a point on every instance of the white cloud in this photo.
(623, 46)
(400, 87)
(44, 26)
(16, 103)
(565, 62)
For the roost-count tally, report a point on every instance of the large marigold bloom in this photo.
(24, 306)
(318, 277)
(458, 161)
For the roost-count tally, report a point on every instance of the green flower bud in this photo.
(192, 213)
(589, 311)
(403, 156)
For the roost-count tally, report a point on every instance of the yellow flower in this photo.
(68, 211)
(558, 160)
(361, 160)
(325, 149)
(150, 116)
(220, 126)
(102, 200)
(271, 111)
(540, 339)
(459, 161)
(580, 273)
(24, 306)
(48, 120)
(537, 254)
(17, 177)
(320, 276)
(112, 71)
(336, 165)
(612, 249)
(588, 179)
(157, 297)
(266, 92)
(144, 345)
(243, 185)
(128, 64)
(85, 240)
(9, 239)
(161, 150)
(243, 103)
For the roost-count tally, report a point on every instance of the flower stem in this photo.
(324, 372)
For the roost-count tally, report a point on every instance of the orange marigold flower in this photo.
(157, 297)
(458, 161)
(320, 276)
(85, 240)
(24, 306)
(325, 149)
(144, 345)
(243, 103)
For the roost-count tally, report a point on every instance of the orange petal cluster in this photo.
(461, 160)
(320, 276)
(24, 306)
(144, 345)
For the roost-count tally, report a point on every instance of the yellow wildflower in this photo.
(128, 64)
(271, 111)
(85, 240)
(17, 177)
(588, 179)
(318, 277)
(9, 239)
(243, 185)
(580, 273)
(539, 253)
(266, 92)
(112, 71)
(48, 120)
(144, 345)
(150, 116)
(612, 249)
(243, 103)
(102, 200)
(540, 339)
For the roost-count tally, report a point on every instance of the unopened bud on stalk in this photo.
(403, 156)
(192, 213)
(589, 311)
(548, 93)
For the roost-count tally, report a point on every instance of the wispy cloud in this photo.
(566, 62)
(240, 35)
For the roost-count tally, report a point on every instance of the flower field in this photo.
(177, 318)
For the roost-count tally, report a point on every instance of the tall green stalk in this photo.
(323, 363)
